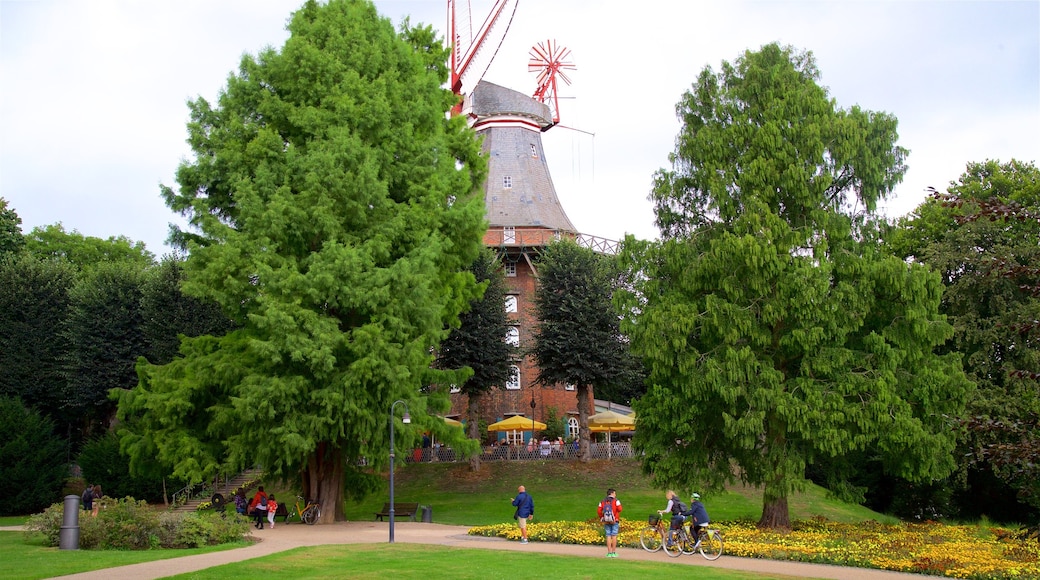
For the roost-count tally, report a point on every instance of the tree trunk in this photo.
(474, 428)
(323, 482)
(775, 515)
(583, 423)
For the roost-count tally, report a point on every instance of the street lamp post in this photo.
(532, 416)
(406, 419)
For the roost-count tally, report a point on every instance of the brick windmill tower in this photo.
(523, 210)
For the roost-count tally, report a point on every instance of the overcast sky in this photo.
(93, 92)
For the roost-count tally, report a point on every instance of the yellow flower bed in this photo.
(973, 552)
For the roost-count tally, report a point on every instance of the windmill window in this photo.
(510, 269)
(569, 387)
(454, 389)
(513, 384)
(572, 427)
(507, 182)
(513, 336)
(509, 235)
(534, 151)
(511, 302)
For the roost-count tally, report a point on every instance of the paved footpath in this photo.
(288, 536)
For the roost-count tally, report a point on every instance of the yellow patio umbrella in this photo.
(611, 422)
(516, 423)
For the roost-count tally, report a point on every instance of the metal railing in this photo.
(522, 453)
(540, 237)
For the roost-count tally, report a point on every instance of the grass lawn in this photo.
(12, 520)
(570, 491)
(29, 558)
(429, 562)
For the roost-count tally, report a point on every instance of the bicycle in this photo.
(652, 536)
(710, 544)
(308, 514)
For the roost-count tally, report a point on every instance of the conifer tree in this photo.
(333, 211)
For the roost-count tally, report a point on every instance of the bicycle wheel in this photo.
(687, 545)
(311, 515)
(711, 545)
(650, 539)
(674, 547)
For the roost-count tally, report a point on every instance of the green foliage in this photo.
(167, 313)
(85, 252)
(129, 524)
(578, 340)
(34, 303)
(773, 329)
(555, 425)
(333, 209)
(985, 248)
(33, 460)
(105, 338)
(478, 345)
(103, 463)
(11, 239)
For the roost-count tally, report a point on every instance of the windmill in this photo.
(549, 60)
(523, 212)
(468, 50)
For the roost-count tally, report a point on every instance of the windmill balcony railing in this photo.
(535, 237)
(567, 451)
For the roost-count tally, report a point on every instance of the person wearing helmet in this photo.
(699, 516)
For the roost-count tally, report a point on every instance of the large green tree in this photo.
(52, 241)
(578, 339)
(167, 313)
(772, 329)
(479, 343)
(104, 334)
(334, 210)
(34, 306)
(33, 459)
(981, 236)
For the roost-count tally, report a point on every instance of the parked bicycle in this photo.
(682, 542)
(652, 536)
(307, 512)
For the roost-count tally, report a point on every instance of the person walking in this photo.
(272, 509)
(258, 507)
(87, 499)
(609, 512)
(524, 511)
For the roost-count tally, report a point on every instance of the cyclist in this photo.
(676, 507)
(700, 517)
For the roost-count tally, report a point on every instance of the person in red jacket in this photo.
(609, 512)
(258, 507)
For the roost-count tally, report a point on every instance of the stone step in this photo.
(228, 490)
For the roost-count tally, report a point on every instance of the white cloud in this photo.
(92, 107)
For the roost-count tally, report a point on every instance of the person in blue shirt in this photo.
(524, 511)
(699, 516)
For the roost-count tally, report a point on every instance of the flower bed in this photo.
(975, 552)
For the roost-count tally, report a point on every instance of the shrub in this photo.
(32, 459)
(103, 463)
(129, 524)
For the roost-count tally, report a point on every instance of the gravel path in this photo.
(288, 536)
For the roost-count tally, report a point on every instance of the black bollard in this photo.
(68, 537)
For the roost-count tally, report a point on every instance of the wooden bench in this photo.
(400, 509)
(282, 512)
